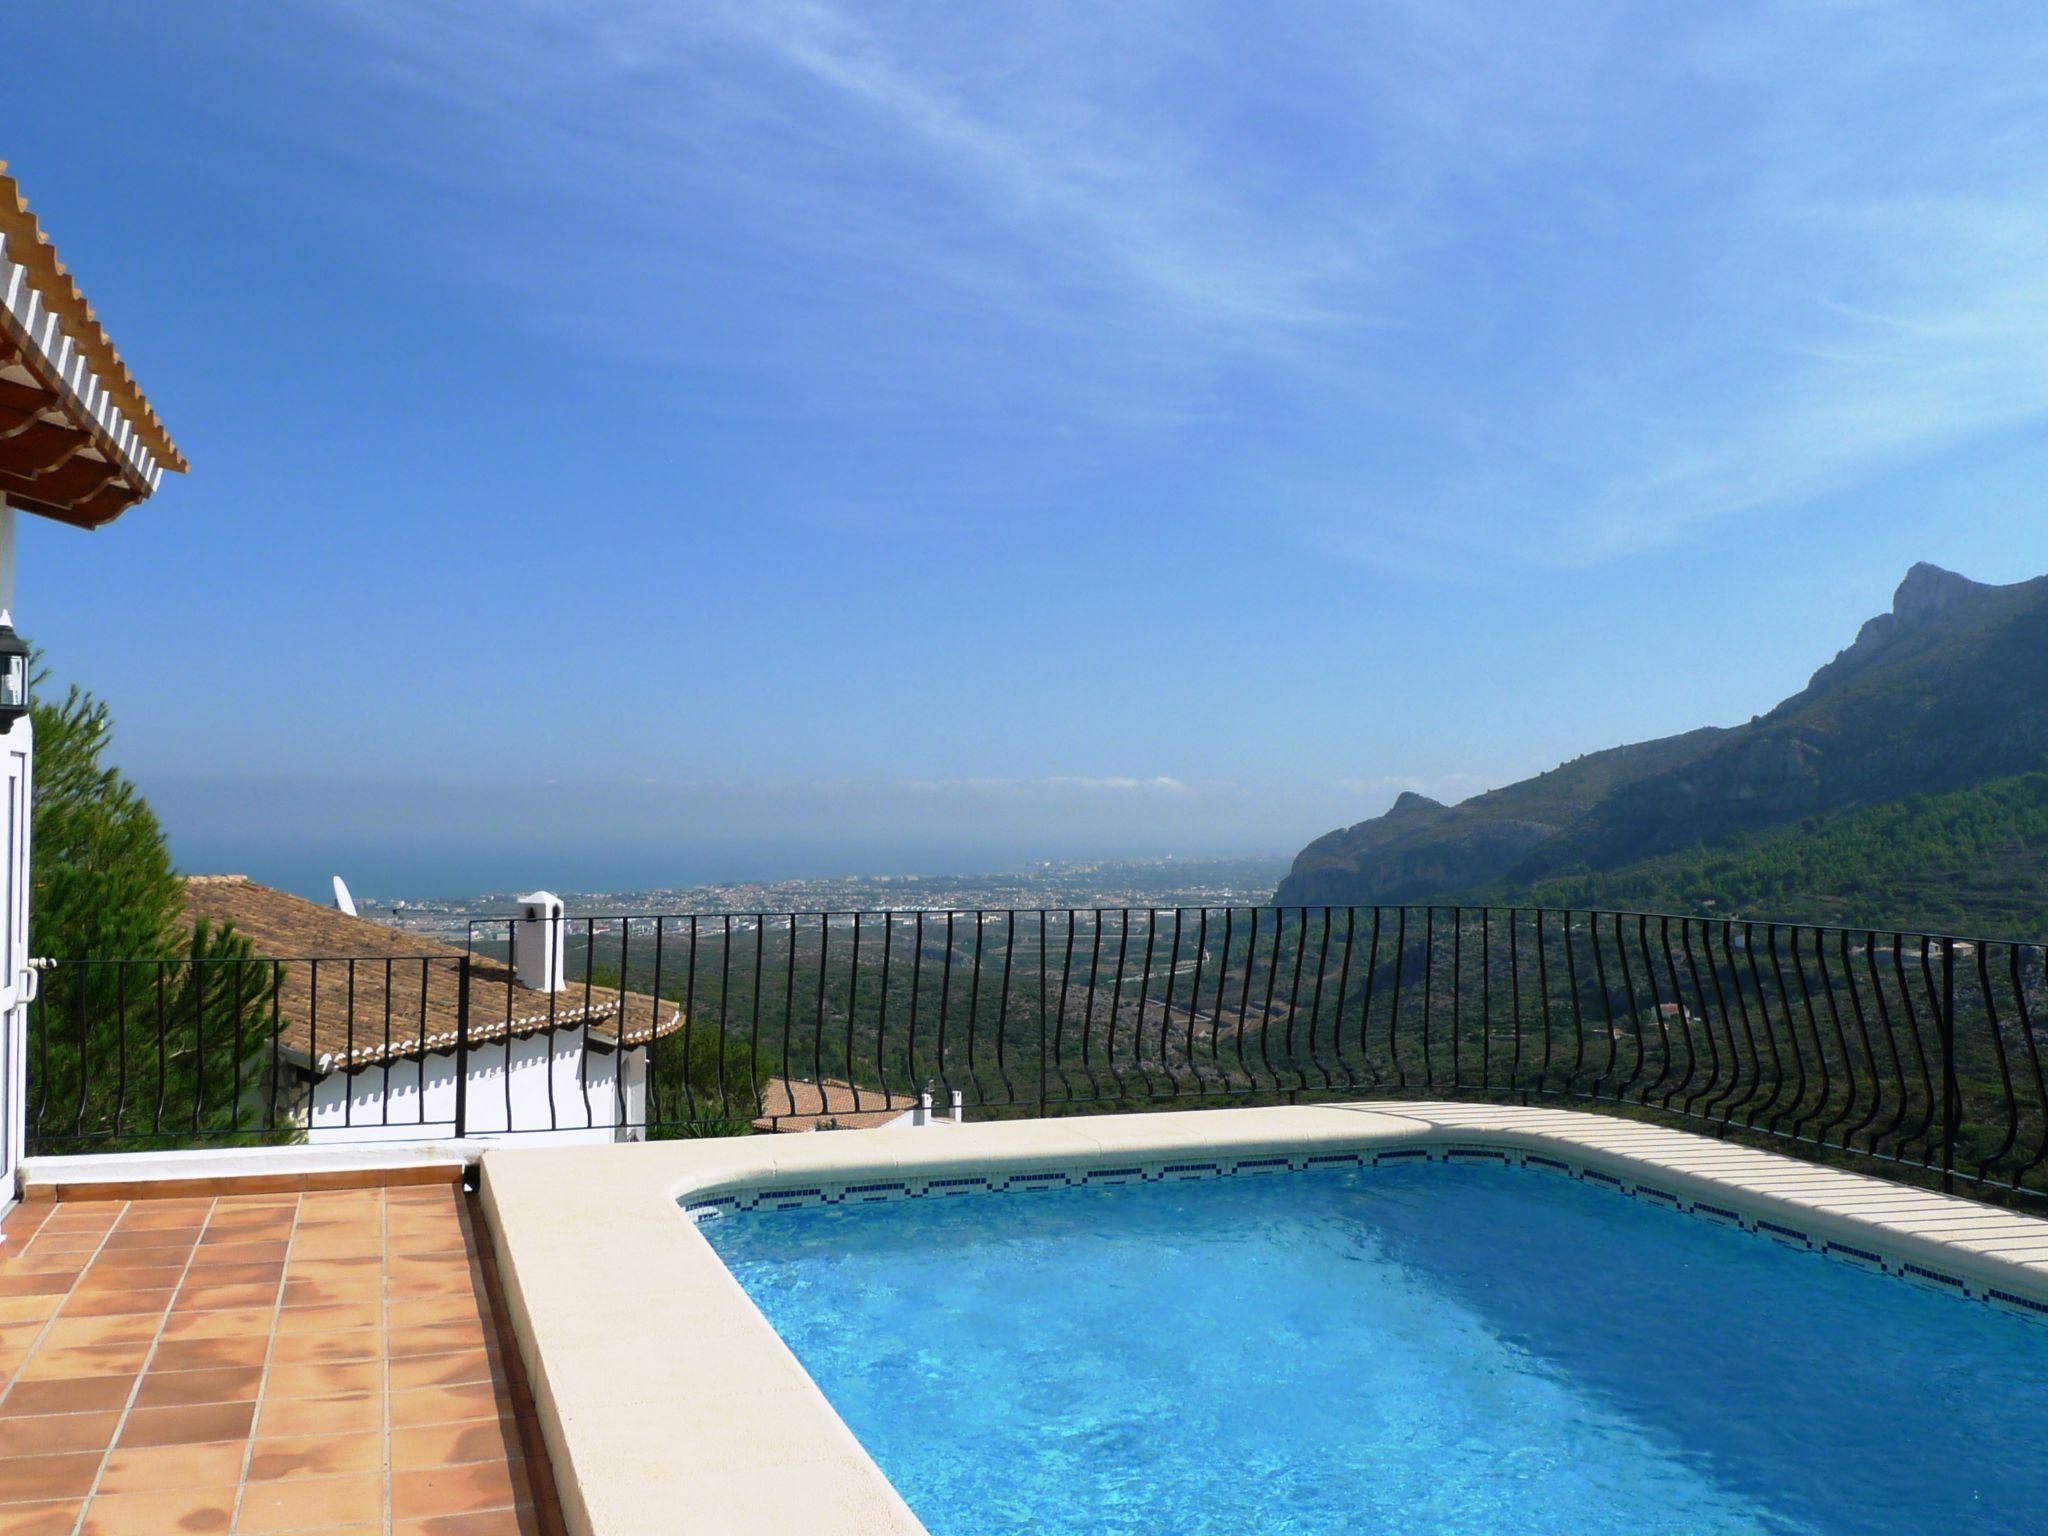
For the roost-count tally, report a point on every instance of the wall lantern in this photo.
(13, 677)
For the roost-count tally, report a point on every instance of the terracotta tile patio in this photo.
(314, 1363)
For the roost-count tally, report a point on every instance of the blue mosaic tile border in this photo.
(910, 1187)
(913, 1186)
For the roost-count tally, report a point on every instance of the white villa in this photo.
(370, 1041)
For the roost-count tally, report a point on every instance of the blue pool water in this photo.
(1423, 1348)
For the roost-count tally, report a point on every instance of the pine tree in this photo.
(150, 1032)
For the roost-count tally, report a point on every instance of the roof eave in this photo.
(91, 400)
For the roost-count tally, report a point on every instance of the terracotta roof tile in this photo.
(356, 992)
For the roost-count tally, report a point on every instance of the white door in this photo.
(17, 982)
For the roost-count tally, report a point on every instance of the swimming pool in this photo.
(1429, 1347)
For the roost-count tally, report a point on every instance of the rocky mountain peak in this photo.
(1409, 803)
(1927, 593)
(1929, 590)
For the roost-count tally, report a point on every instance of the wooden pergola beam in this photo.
(78, 441)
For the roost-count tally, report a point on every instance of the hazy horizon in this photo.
(435, 840)
(382, 872)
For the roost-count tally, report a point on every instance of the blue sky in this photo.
(646, 440)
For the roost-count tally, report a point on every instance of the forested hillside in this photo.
(1974, 861)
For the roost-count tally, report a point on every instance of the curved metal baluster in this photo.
(916, 1067)
(1244, 1000)
(1059, 1022)
(2019, 997)
(1372, 971)
(85, 1054)
(1692, 969)
(1571, 969)
(1266, 1012)
(1606, 1004)
(1343, 992)
(1116, 999)
(1755, 1103)
(882, 1016)
(1144, 1002)
(690, 1024)
(945, 1004)
(1727, 1104)
(1294, 999)
(754, 1031)
(1635, 1082)
(1457, 994)
(1792, 1034)
(1166, 1012)
(2012, 1104)
(1003, 1006)
(818, 1029)
(1315, 1007)
(653, 1094)
(277, 1038)
(1954, 1110)
(1216, 1008)
(1869, 1051)
(1926, 1132)
(1088, 1012)
(788, 1010)
(1635, 1017)
(121, 1043)
(852, 1014)
(1717, 1100)
(1039, 1019)
(1485, 999)
(583, 1056)
(163, 1052)
(1684, 1017)
(348, 1103)
(383, 1065)
(974, 1010)
(1891, 1035)
(1827, 981)
(1428, 992)
(619, 1073)
(724, 1015)
(1315, 998)
(1394, 1012)
(1515, 997)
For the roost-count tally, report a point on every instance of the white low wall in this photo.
(253, 1168)
(553, 1092)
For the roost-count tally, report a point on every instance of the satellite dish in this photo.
(343, 902)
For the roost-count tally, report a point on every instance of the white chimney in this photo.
(537, 942)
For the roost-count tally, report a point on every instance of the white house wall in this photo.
(552, 1096)
(17, 981)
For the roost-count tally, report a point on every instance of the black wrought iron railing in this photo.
(1918, 1052)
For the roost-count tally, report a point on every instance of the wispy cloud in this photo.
(1048, 180)
(1052, 161)
(1469, 289)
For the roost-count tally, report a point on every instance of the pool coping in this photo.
(664, 1394)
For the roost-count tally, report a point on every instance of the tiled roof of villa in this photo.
(378, 993)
